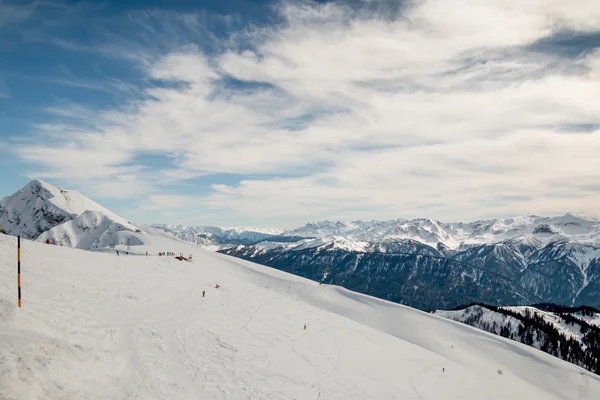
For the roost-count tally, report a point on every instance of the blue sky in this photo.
(274, 113)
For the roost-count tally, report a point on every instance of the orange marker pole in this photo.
(19, 267)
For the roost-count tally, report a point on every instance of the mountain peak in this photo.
(573, 217)
(40, 183)
(37, 183)
(39, 206)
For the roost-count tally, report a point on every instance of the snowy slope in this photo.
(568, 333)
(484, 316)
(91, 230)
(331, 243)
(572, 331)
(39, 206)
(590, 319)
(101, 326)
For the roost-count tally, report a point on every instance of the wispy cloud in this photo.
(451, 110)
(15, 13)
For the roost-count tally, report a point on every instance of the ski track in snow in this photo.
(100, 326)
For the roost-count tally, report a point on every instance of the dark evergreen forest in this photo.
(534, 331)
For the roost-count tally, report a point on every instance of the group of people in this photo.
(171, 254)
(128, 252)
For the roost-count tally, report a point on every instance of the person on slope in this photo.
(203, 293)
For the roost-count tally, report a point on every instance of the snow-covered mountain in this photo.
(101, 326)
(572, 334)
(91, 230)
(459, 235)
(533, 230)
(423, 263)
(217, 238)
(522, 270)
(429, 264)
(39, 206)
(64, 217)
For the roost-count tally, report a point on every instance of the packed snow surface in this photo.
(102, 326)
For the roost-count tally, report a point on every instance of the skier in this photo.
(203, 293)
(304, 326)
(117, 252)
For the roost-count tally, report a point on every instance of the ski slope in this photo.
(100, 326)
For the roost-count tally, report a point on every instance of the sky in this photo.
(275, 113)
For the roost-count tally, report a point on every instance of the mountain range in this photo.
(423, 263)
(429, 264)
(531, 268)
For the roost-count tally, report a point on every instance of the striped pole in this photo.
(19, 267)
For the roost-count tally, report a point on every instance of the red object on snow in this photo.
(47, 241)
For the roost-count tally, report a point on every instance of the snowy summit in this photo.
(65, 217)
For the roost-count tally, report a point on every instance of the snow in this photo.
(90, 230)
(97, 325)
(590, 319)
(582, 255)
(457, 234)
(206, 236)
(330, 243)
(567, 330)
(39, 206)
(487, 316)
(266, 231)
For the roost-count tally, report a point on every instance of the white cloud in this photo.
(167, 202)
(441, 112)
